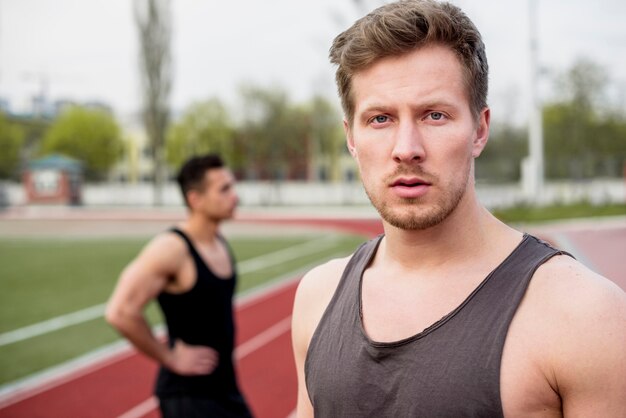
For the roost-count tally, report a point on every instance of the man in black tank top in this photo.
(450, 313)
(190, 270)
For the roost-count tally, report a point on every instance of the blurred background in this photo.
(105, 99)
(101, 101)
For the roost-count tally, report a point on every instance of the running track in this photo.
(120, 386)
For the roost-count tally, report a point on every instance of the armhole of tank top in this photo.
(556, 250)
(551, 253)
(231, 254)
(367, 249)
(185, 238)
(199, 261)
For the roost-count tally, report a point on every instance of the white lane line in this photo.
(94, 312)
(241, 351)
(263, 338)
(61, 374)
(57, 375)
(53, 324)
(280, 256)
(142, 409)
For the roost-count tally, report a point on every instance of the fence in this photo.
(253, 194)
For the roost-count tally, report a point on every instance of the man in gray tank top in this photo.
(450, 313)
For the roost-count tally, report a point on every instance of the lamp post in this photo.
(534, 171)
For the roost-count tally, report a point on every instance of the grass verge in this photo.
(44, 278)
(529, 214)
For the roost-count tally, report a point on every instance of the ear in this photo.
(482, 132)
(349, 138)
(192, 198)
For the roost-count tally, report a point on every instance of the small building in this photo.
(54, 179)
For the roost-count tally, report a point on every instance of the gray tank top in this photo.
(451, 369)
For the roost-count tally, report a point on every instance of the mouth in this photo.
(409, 182)
(410, 187)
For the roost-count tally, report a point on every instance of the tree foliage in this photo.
(11, 142)
(91, 136)
(583, 85)
(328, 137)
(274, 136)
(501, 159)
(204, 127)
(584, 137)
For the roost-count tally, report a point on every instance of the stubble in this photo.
(414, 214)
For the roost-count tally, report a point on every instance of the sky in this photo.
(87, 50)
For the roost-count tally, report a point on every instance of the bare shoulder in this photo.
(322, 279)
(575, 320)
(164, 250)
(314, 293)
(146, 276)
(160, 259)
(165, 242)
(564, 286)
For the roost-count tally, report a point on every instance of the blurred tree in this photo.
(91, 136)
(328, 138)
(11, 142)
(153, 20)
(274, 136)
(500, 161)
(584, 137)
(583, 85)
(204, 127)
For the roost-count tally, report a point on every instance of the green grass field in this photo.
(528, 214)
(45, 278)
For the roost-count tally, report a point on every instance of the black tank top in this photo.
(451, 369)
(201, 316)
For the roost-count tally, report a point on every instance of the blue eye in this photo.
(380, 119)
(436, 116)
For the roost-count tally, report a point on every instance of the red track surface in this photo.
(267, 374)
(265, 362)
(604, 250)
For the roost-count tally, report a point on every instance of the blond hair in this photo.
(401, 27)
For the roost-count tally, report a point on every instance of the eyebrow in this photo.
(434, 103)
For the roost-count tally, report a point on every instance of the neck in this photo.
(463, 236)
(201, 228)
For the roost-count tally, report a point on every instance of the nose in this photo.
(408, 144)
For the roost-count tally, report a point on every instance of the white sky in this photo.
(87, 49)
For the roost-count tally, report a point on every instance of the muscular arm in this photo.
(313, 295)
(591, 367)
(140, 282)
(583, 328)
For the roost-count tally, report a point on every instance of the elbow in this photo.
(114, 316)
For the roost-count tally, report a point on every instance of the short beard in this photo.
(415, 217)
(421, 220)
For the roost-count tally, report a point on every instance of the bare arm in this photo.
(588, 352)
(140, 282)
(595, 385)
(301, 336)
(314, 293)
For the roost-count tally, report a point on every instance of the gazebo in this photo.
(54, 179)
